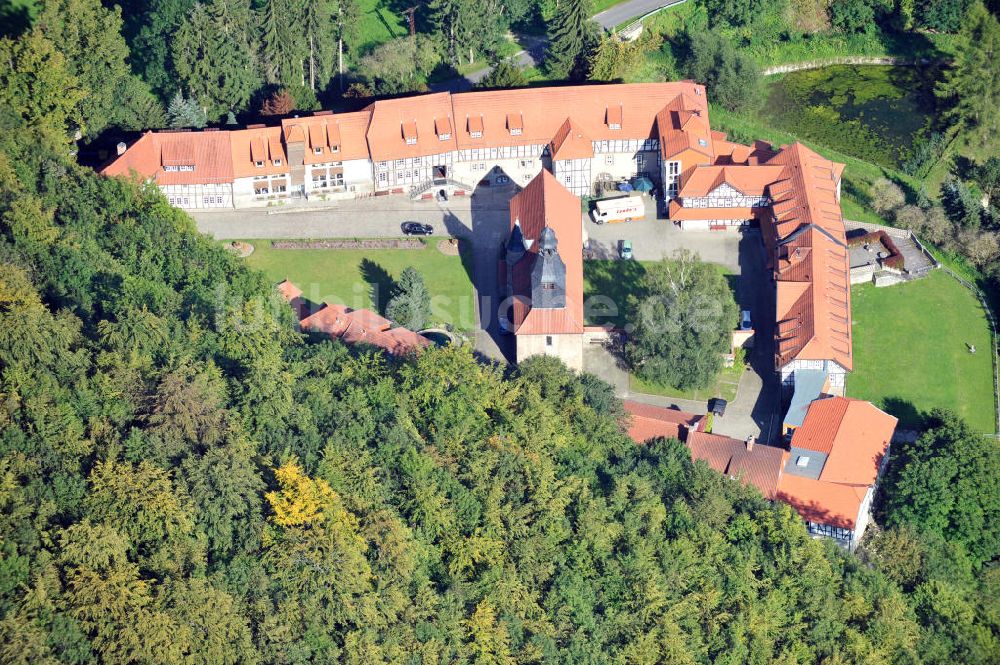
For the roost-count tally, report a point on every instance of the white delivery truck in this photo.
(620, 209)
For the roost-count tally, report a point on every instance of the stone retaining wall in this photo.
(845, 60)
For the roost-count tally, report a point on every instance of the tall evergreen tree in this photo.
(571, 33)
(184, 112)
(215, 57)
(410, 306)
(971, 84)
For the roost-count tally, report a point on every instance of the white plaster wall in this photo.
(567, 347)
(466, 171)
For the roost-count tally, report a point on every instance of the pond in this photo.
(876, 113)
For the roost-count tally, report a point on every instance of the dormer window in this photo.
(802, 461)
(259, 164)
(409, 130)
(613, 116)
(335, 149)
(277, 162)
(515, 123)
(476, 127)
(442, 126)
(318, 150)
(703, 143)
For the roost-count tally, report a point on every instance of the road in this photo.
(623, 11)
(534, 45)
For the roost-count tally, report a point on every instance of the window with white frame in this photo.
(411, 140)
(259, 164)
(383, 177)
(318, 150)
(609, 159)
(476, 134)
(525, 163)
(515, 131)
(277, 162)
(444, 137)
(640, 160)
(400, 162)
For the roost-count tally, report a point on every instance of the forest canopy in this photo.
(185, 478)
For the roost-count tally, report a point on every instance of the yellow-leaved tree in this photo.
(300, 499)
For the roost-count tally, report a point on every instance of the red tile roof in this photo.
(571, 143)
(540, 112)
(253, 145)
(354, 326)
(854, 435)
(652, 422)
(544, 202)
(208, 152)
(346, 131)
(420, 114)
(761, 466)
(822, 502)
(703, 180)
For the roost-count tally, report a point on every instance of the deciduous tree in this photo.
(681, 323)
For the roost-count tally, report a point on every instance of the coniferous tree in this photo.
(89, 37)
(410, 306)
(571, 34)
(971, 83)
(214, 55)
(505, 74)
(183, 112)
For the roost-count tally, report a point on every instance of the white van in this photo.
(621, 209)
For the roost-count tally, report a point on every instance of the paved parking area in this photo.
(653, 238)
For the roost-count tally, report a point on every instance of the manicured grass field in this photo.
(347, 276)
(910, 351)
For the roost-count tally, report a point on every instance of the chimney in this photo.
(121, 148)
(750, 442)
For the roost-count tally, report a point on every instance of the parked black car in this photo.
(417, 229)
(717, 405)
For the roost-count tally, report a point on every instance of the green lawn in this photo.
(378, 23)
(346, 276)
(725, 386)
(910, 350)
